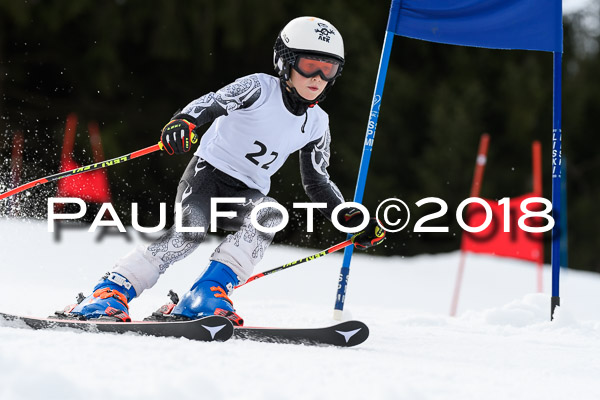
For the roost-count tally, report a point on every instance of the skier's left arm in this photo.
(314, 160)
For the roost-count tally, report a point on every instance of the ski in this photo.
(207, 329)
(212, 328)
(345, 334)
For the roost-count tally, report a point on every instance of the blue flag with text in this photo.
(496, 24)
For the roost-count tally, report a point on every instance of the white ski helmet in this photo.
(309, 36)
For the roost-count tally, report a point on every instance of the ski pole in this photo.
(81, 170)
(87, 168)
(330, 250)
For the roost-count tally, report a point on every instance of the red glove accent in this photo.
(371, 236)
(178, 136)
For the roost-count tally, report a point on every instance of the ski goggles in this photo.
(309, 66)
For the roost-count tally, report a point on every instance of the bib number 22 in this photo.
(263, 150)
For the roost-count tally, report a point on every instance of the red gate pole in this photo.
(475, 190)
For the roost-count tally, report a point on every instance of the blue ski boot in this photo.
(209, 295)
(109, 299)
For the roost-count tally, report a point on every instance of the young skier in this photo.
(256, 123)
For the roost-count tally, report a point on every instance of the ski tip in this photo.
(345, 334)
(352, 333)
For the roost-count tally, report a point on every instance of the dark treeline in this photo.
(129, 65)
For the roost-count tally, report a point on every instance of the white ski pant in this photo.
(240, 250)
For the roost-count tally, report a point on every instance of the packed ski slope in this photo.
(500, 346)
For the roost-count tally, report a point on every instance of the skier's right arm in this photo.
(177, 136)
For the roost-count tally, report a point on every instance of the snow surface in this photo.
(570, 6)
(501, 346)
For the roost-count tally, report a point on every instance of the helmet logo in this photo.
(324, 32)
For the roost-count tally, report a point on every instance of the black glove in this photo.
(370, 236)
(178, 136)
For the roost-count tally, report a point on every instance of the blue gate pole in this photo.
(368, 146)
(556, 182)
(564, 240)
